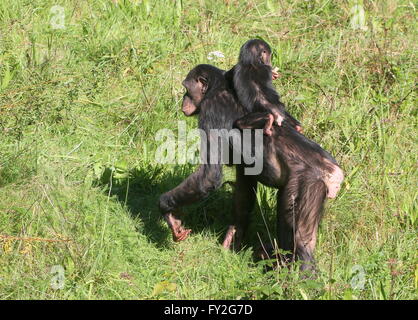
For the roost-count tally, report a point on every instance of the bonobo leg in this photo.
(299, 210)
(264, 120)
(244, 200)
(258, 120)
(178, 231)
(196, 187)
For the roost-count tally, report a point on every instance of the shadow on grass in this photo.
(139, 192)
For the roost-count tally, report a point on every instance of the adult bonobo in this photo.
(304, 173)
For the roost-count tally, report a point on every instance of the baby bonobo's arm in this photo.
(287, 116)
(276, 110)
(293, 122)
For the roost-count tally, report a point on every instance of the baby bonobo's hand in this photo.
(275, 73)
(279, 118)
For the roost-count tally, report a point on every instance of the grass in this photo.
(79, 109)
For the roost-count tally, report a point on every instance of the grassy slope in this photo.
(82, 103)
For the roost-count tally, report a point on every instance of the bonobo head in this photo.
(255, 52)
(198, 83)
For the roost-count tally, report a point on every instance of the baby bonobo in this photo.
(252, 79)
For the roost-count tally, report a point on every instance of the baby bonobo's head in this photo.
(255, 52)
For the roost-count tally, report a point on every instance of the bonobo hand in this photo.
(278, 118)
(179, 233)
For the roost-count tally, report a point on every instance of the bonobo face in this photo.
(196, 87)
(262, 52)
(256, 51)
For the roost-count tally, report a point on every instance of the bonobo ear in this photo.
(204, 83)
(265, 57)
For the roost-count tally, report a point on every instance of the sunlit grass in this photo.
(79, 108)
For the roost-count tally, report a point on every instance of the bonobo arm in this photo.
(196, 187)
(244, 200)
(280, 114)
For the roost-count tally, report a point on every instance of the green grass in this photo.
(79, 108)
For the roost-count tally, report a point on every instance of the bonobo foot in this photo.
(179, 233)
(266, 252)
(233, 238)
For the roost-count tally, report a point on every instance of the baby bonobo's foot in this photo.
(299, 129)
(179, 233)
(268, 127)
(279, 118)
(229, 237)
